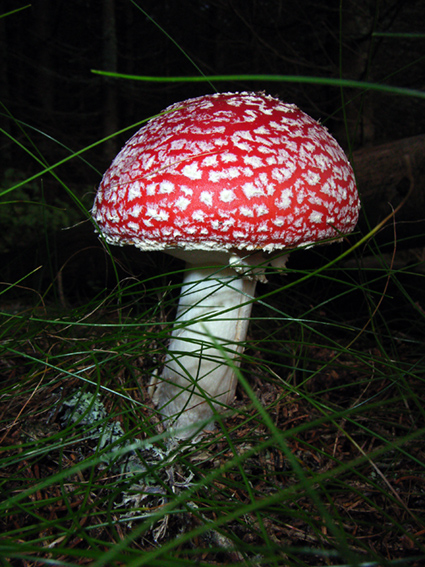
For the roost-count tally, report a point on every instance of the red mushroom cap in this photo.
(226, 171)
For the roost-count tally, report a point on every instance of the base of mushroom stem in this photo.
(208, 337)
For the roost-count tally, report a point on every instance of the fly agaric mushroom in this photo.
(222, 181)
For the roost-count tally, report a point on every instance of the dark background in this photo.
(49, 49)
(53, 105)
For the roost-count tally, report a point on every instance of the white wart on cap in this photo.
(226, 171)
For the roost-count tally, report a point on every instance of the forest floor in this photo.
(325, 467)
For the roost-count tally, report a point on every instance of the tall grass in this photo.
(320, 461)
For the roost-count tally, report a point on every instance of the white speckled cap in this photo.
(228, 171)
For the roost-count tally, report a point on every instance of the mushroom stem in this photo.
(212, 319)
